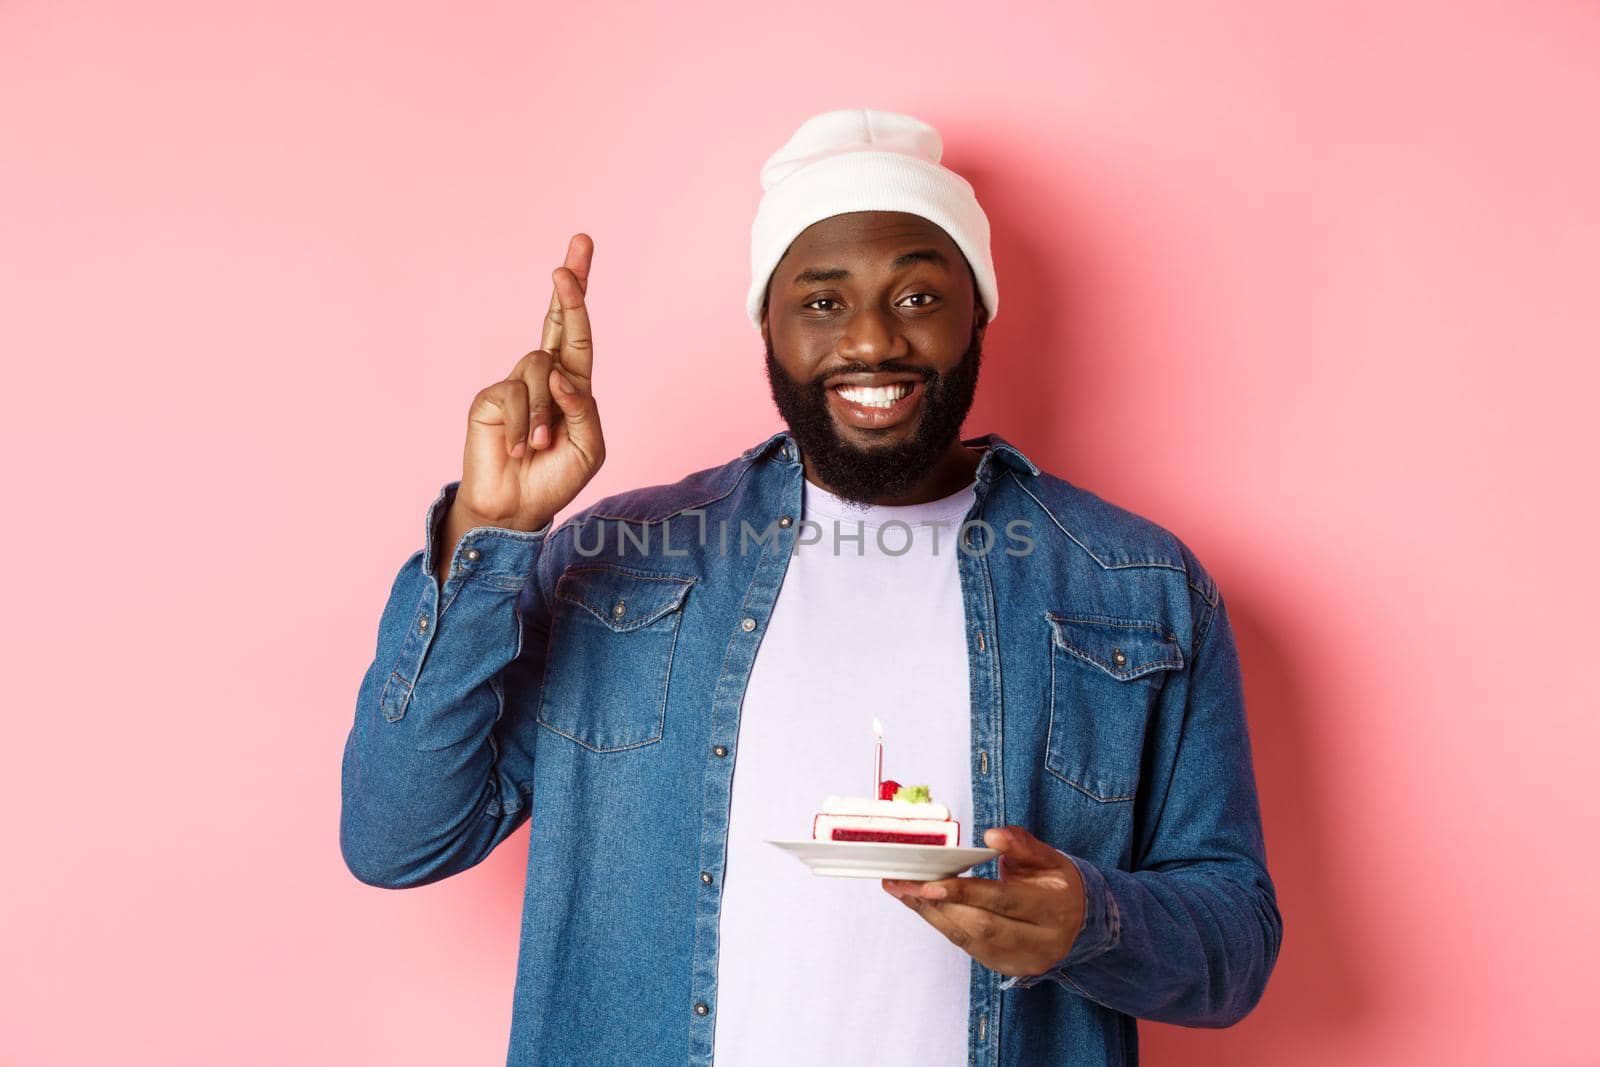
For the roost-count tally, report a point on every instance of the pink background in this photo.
(1312, 285)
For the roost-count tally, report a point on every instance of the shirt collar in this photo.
(996, 449)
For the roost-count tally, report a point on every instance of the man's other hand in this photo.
(1022, 923)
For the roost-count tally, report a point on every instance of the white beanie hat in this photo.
(858, 159)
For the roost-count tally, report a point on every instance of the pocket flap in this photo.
(622, 599)
(1123, 648)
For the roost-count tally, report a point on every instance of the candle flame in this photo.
(877, 727)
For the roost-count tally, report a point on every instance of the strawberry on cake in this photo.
(904, 815)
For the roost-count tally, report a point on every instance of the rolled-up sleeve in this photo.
(425, 792)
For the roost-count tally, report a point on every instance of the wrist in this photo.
(457, 521)
(462, 518)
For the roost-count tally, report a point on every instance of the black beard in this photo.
(864, 475)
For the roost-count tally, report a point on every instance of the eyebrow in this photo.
(813, 275)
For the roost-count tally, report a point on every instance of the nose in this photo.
(872, 337)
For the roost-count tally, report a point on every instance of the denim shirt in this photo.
(589, 678)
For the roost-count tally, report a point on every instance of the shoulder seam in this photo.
(1210, 620)
(1207, 590)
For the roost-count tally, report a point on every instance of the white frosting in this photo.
(893, 809)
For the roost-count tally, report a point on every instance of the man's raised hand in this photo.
(533, 439)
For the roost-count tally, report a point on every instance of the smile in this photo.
(874, 396)
(876, 407)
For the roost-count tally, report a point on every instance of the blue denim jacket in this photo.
(590, 677)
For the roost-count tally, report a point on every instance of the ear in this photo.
(766, 330)
(980, 314)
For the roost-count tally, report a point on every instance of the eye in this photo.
(928, 300)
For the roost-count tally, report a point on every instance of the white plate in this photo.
(879, 859)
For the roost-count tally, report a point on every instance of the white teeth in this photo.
(880, 396)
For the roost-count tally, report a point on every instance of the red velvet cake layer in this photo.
(889, 836)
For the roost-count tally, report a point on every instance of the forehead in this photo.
(867, 236)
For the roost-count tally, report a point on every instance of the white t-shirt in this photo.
(817, 970)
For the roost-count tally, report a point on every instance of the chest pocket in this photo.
(1105, 674)
(609, 657)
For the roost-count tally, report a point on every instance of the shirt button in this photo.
(700, 1008)
(747, 625)
(1119, 656)
(705, 876)
(472, 554)
(619, 608)
(719, 750)
(422, 624)
(786, 522)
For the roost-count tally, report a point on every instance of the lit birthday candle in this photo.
(877, 759)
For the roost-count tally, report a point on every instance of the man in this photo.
(1060, 671)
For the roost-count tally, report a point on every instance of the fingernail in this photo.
(935, 892)
(519, 448)
(564, 385)
(541, 435)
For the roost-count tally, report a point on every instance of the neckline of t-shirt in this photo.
(821, 504)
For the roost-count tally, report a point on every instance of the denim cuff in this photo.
(502, 556)
(1100, 932)
(1102, 919)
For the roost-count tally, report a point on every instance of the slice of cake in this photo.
(903, 815)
